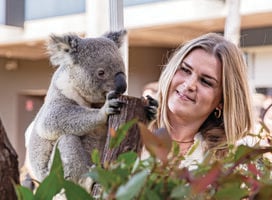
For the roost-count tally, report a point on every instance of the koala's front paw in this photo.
(113, 104)
(151, 108)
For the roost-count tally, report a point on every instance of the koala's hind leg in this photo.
(75, 160)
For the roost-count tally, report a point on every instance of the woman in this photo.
(204, 97)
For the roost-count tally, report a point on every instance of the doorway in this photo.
(29, 104)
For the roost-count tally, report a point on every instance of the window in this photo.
(137, 2)
(37, 9)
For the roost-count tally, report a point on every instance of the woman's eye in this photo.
(206, 82)
(186, 70)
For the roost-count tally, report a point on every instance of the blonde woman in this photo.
(204, 97)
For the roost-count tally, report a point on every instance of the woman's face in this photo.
(196, 88)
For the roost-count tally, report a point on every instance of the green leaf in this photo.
(231, 191)
(175, 149)
(245, 154)
(180, 192)
(136, 165)
(121, 174)
(57, 164)
(49, 187)
(96, 157)
(128, 158)
(193, 148)
(75, 192)
(150, 194)
(118, 137)
(132, 188)
(242, 151)
(53, 183)
(23, 193)
(104, 177)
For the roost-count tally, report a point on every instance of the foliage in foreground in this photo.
(244, 174)
(53, 184)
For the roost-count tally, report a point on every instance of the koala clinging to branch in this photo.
(83, 92)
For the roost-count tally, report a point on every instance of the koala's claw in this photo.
(151, 112)
(112, 95)
(114, 106)
(151, 108)
(152, 101)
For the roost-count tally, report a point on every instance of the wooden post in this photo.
(133, 108)
(8, 167)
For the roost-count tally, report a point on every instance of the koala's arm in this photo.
(67, 118)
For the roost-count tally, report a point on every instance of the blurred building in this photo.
(155, 29)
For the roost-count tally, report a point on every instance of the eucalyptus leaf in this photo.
(244, 173)
(75, 192)
(96, 157)
(53, 183)
(128, 158)
(49, 187)
(180, 192)
(231, 191)
(150, 194)
(104, 177)
(132, 188)
(23, 193)
(242, 151)
(57, 164)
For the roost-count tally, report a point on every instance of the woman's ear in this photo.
(220, 106)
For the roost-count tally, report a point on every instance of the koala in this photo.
(83, 92)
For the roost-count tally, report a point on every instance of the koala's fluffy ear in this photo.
(60, 48)
(116, 36)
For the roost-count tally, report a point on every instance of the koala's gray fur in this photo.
(90, 73)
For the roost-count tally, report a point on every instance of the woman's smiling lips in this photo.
(184, 97)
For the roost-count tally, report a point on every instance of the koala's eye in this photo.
(101, 73)
(66, 50)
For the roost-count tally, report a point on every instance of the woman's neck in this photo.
(183, 133)
(184, 137)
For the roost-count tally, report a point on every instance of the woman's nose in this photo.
(191, 83)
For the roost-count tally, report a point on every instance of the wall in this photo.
(34, 75)
(263, 69)
(145, 64)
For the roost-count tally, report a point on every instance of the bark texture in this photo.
(9, 172)
(133, 108)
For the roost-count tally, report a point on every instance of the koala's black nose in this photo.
(120, 83)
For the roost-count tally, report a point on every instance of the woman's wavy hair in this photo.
(237, 117)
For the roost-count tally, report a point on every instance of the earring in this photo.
(217, 113)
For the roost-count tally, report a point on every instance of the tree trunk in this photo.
(9, 171)
(133, 108)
